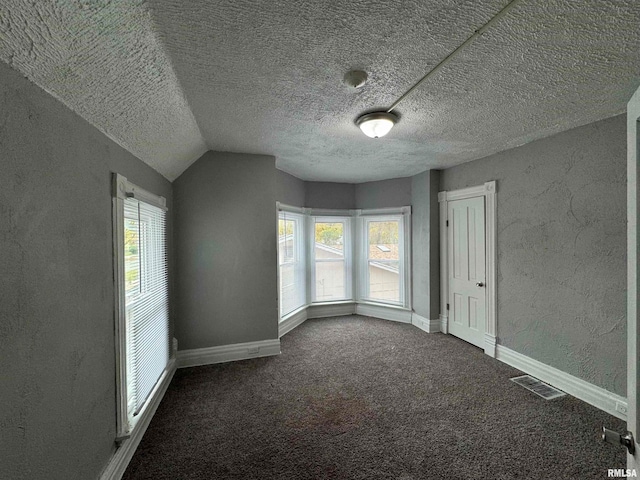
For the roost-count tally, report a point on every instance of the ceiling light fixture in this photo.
(378, 124)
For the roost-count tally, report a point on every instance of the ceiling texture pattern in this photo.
(168, 79)
(103, 59)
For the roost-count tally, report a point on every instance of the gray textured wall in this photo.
(226, 260)
(290, 190)
(434, 244)
(330, 195)
(395, 192)
(425, 261)
(562, 248)
(57, 388)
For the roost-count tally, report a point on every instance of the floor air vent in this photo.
(539, 388)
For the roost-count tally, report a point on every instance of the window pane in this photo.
(329, 240)
(286, 229)
(383, 250)
(287, 288)
(330, 281)
(131, 257)
(330, 262)
(383, 238)
(384, 281)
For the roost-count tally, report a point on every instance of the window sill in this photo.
(384, 305)
(332, 302)
(384, 311)
(294, 313)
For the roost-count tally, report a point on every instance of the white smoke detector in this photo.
(355, 78)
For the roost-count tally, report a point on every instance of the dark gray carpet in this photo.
(360, 398)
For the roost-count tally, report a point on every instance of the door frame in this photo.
(488, 190)
(633, 272)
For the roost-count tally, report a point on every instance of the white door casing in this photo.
(633, 272)
(486, 193)
(466, 257)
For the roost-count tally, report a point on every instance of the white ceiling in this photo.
(168, 79)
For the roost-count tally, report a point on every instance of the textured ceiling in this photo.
(266, 76)
(103, 60)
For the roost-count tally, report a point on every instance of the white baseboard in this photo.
(424, 324)
(394, 314)
(444, 324)
(292, 321)
(383, 312)
(227, 353)
(124, 453)
(333, 310)
(490, 345)
(315, 311)
(585, 391)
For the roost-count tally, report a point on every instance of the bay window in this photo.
(338, 256)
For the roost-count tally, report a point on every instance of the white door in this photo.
(467, 293)
(633, 272)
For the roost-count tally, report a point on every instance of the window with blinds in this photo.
(142, 300)
(146, 303)
(291, 262)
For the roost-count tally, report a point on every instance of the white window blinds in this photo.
(146, 300)
(291, 256)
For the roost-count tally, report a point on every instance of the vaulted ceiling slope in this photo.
(104, 60)
(168, 79)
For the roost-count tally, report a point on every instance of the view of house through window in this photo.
(383, 260)
(330, 262)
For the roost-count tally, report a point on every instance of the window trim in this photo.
(403, 214)
(123, 189)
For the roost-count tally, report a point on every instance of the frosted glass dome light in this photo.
(376, 124)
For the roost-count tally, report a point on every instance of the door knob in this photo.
(626, 439)
(480, 284)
